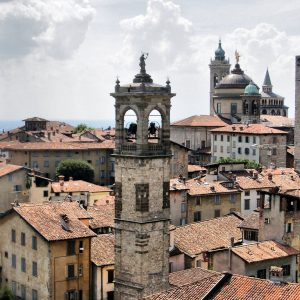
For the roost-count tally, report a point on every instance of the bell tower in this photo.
(297, 114)
(142, 204)
(219, 67)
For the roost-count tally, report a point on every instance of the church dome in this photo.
(251, 89)
(220, 53)
(237, 79)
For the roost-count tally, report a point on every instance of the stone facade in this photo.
(297, 116)
(142, 200)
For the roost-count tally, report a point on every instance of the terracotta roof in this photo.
(7, 169)
(102, 251)
(251, 221)
(226, 287)
(196, 168)
(199, 186)
(35, 119)
(200, 121)
(46, 219)
(247, 181)
(177, 184)
(102, 215)
(263, 251)
(78, 186)
(247, 129)
(188, 276)
(199, 237)
(243, 287)
(15, 145)
(277, 121)
(195, 290)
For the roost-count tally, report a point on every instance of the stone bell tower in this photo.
(219, 67)
(142, 204)
(297, 115)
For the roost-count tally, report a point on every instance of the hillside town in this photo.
(207, 207)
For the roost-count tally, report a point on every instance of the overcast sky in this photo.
(59, 59)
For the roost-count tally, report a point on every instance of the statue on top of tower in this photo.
(142, 62)
(237, 56)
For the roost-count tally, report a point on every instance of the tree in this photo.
(249, 164)
(81, 127)
(78, 169)
(6, 293)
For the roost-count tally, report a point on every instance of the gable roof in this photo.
(6, 169)
(195, 238)
(103, 250)
(251, 221)
(257, 129)
(45, 218)
(200, 121)
(78, 186)
(263, 251)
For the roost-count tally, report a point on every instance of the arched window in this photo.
(273, 112)
(216, 79)
(284, 113)
(278, 112)
(264, 112)
(154, 127)
(130, 125)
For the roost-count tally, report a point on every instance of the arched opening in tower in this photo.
(154, 127)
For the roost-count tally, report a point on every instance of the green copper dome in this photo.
(220, 53)
(251, 89)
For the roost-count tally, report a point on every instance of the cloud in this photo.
(53, 28)
(162, 31)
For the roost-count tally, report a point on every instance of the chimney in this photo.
(183, 179)
(270, 176)
(70, 178)
(61, 179)
(241, 128)
(233, 127)
(255, 175)
(213, 189)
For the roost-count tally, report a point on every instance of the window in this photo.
(233, 108)
(71, 247)
(70, 271)
(215, 148)
(274, 151)
(14, 287)
(221, 137)
(23, 292)
(233, 144)
(233, 198)
(219, 108)
(70, 295)
(289, 227)
(183, 207)
(102, 173)
(17, 188)
(57, 154)
(182, 221)
(198, 263)
(247, 139)
(217, 213)
(197, 216)
(251, 235)
(215, 137)
(254, 139)
(286, 270)
(110, 276)
(240, 138)
(13, 261)
(10, 177)
(247, 151)
(23, 239)
(57, 162)
(102, 160)
(13, 235)
(198, 200)
(247, 193)
(217, 199)
(274, 140)
(253, 151)
(45, 193)
(34, 269)
(23, 264)
(46, 153)
(188, 143)
(81, 247)
(239, 150)
(80, 270)
(35, 164)
(228, 138)
(80, 295)
(110, 295)
(261, 274)
(247, 204)
(34, 243)
(46, 163)
(6, 254)
(221, 149)
(69, 154)
(228, 149)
